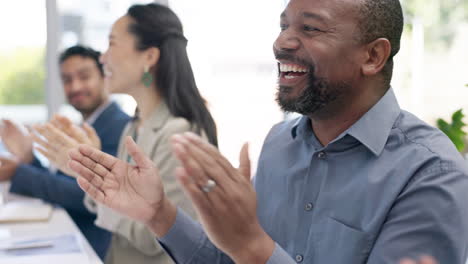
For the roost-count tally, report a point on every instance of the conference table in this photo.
(66, 243)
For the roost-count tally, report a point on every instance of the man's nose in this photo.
(287, 41)
(76, 86)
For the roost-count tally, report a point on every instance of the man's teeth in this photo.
(292, 68)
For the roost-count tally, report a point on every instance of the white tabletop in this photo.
(59, 223)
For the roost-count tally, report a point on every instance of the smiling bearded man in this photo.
(355, 180)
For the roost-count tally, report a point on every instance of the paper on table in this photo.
(4, 234)
(71, 258)
(64, 249)
(26, 245)
(25, 211)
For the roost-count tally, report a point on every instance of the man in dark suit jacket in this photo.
(83, 80)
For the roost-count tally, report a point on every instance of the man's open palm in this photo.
(132, 190)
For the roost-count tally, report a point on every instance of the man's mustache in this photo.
(72, 95)
(284, 55)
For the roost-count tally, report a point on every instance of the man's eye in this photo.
(283, 27)
(310, 28)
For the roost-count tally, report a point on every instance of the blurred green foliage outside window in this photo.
(22, 76)
(441, 18)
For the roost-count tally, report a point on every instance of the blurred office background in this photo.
(230, 47)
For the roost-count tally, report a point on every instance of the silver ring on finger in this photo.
(210, 184)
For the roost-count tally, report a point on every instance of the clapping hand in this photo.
(17, 141)
(56, 138)
(132, 190)
(54, 145)
(224, 199)
(83, 135)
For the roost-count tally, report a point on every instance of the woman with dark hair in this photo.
(147, 59)
(156, 26)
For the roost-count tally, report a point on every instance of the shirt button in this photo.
(299, 258)
(309, 206)
(321, 155)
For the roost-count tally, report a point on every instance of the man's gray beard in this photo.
(317, 95)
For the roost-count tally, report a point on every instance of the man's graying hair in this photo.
(382, 19)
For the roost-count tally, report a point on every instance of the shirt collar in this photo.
(372, 129)
(300, 127)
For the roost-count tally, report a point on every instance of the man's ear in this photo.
(378, 52)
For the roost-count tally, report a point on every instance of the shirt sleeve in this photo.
(186, 242)
(55, 188)
(430, 217)
(280, 256)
